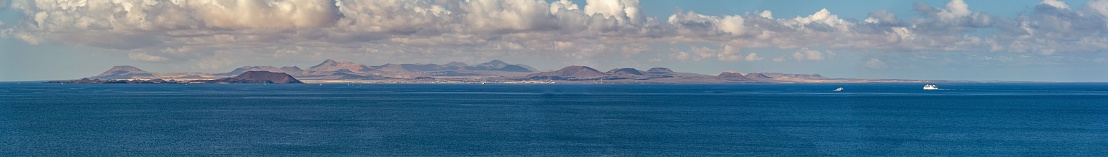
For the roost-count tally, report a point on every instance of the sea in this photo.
(865, 119)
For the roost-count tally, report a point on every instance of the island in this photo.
(495, 71)
(264, 77)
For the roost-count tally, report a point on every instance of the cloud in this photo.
(883, 17)
(753, 57)
(1056, 4)
(723, 53)
(955, 14)
(807, 54)
(28, 38)
(559, 30)
(729, 53)
(681, 56)
(625, 11)
(766, 14)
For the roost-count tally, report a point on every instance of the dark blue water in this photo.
(1068, 119)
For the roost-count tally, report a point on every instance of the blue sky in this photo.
(1051, 40)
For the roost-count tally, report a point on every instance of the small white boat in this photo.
(930, 87)
(840, 89)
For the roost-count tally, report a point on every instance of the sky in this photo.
(1028, 40)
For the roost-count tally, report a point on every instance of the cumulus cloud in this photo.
(484, 29)
(807, 54)
(883, 17)
(723, 53)
(30, 39)
(955, 14)
(626, 11)
(1056, 4)
(692, 22)
(681, 56)
(753, 57)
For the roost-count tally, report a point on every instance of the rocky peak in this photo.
(327, 62)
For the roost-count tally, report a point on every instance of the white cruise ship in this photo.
(930, 87)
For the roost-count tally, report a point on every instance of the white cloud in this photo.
(883, 17)
(723, 53)
(1099, 6)
(807, 54)
(483, 29)
(29, 39)
(626, 11)
(732, 24)
(729, 53)
(955, 14)
(508, 15)
(766, 14)
(753, 57)
(292, 14)
(954, 9)
(1056, 4)
(681, 56)
(562, 4)
(823, 16)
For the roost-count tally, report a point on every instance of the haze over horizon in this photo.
(1024, 40)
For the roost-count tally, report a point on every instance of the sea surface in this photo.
(867, 119)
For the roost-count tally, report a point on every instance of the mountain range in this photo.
(494, 71)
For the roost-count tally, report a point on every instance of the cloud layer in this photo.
(196, 31)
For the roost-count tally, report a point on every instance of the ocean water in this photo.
(876, 119)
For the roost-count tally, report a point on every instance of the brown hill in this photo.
(732, 76)
(259, 77)
(329, 66)
(292, 70)
(497, 65)
(624, 71)
(659, 71)
(570, 73)
(124, 72)
(288, 70)
(758, 76)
